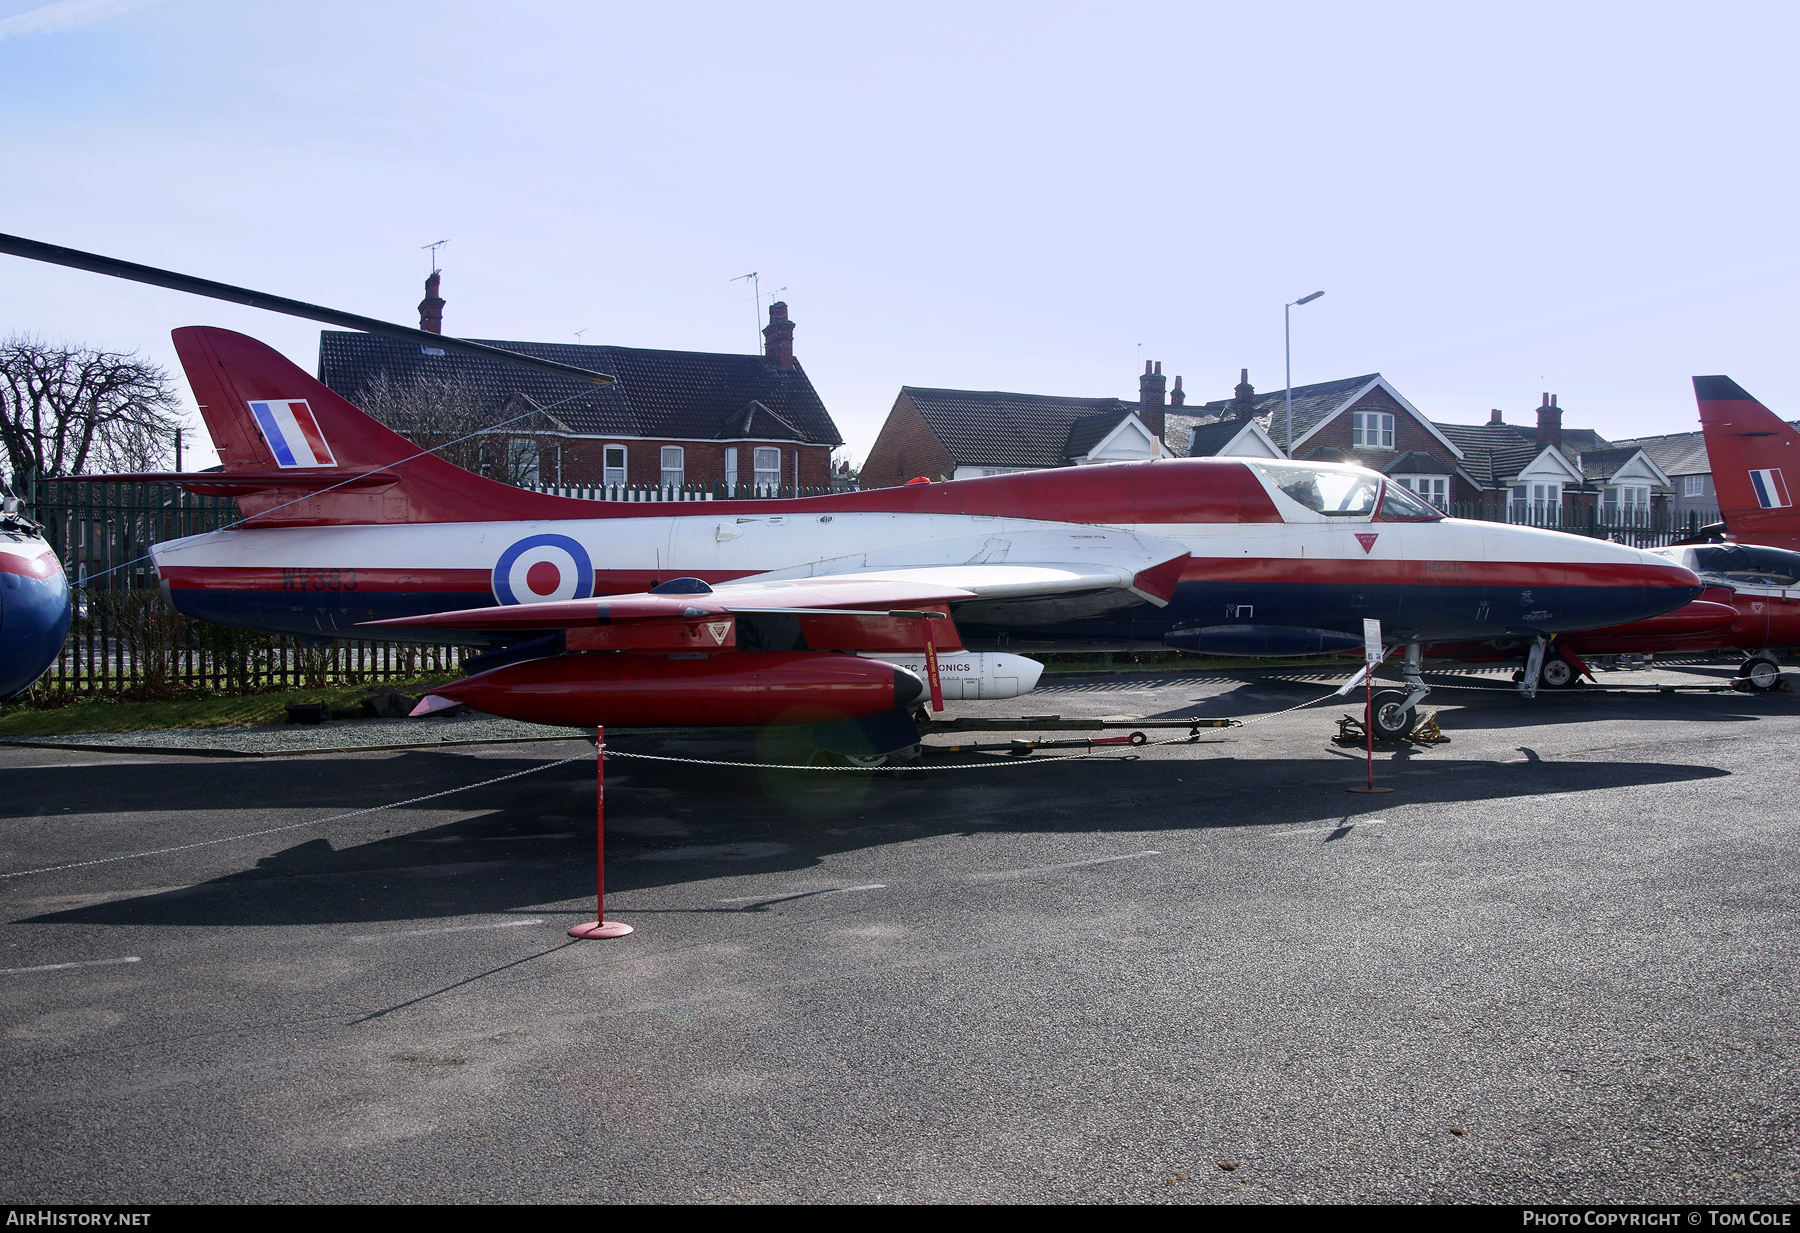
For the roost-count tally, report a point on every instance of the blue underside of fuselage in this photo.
(34, 620)
(1406, 613)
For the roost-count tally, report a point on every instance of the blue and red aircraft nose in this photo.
(34, 618)
(1667, 587)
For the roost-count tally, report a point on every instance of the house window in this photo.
(612, 465)
(768, 467)
(1693, 486)
(671, 466)
(1631, 498)
(731, 471)
(1434, 488)
(1540, 504)
(522, 461)
(1371, 430)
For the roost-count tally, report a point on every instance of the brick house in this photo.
(673, 418)
(1363, 419)
(1535, 472)
(957, 434)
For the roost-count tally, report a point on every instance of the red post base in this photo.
(1376, 788)
(600, 929)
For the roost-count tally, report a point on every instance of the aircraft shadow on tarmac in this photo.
(530, 841)
(1493, 703)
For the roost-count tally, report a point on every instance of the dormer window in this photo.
(1631, 497)
(1434, 488)
(1372, 430)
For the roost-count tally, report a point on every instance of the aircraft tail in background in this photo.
(1755, 460)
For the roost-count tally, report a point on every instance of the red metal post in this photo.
(600, 927)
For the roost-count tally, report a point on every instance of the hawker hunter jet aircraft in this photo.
(814, 610)
(34, 600)
(1755, 460)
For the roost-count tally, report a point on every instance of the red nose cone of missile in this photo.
(744, 689)
(1700, 617)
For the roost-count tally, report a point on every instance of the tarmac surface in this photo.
(1556, 964)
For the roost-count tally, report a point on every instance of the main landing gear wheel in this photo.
(1559, 673)
(1760, 673)
(1391, 719)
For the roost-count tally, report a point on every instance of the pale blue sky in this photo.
(1591, 199)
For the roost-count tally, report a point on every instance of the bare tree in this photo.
(445, 415)
(67, 410)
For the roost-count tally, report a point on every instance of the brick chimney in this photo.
(1151, 387)
(1549, 423)
(1494, 416)
(431, 308)
(778, 336)
(1178, 396)
(1243, 398)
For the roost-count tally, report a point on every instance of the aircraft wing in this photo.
(1028, 575)
(1079, 571)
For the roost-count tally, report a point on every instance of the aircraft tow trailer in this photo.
(1056, 723)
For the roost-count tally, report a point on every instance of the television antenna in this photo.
(756, 305)
(434, 246)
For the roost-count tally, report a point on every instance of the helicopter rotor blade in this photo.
(74, 258)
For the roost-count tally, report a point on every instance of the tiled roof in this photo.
(992, 428)
(1600, 464)
(683, 395)
(1208, 439)
(1492, 452)
(759, 422)
(1680, 453)
(1089, 431)
(1415, 463)
(1312, 403)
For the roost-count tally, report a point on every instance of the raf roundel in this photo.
(540, 568)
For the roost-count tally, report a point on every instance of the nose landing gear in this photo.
(1394, 713)
(1762, 671)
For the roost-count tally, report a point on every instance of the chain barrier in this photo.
(992, 764)
(895, 766)
(276, 830)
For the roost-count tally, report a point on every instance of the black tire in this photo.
(1761, 674)
(1389, 718)
(1558, 673)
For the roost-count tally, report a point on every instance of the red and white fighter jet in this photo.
(816, 610)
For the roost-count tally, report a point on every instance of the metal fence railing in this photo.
(1639, 527)
(685, 492)
(126, 641)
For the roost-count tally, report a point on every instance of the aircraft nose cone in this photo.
(1667, 586)
(34, 619)
(908, 689)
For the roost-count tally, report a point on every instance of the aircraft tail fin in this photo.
(295, 453)
(1755, 460)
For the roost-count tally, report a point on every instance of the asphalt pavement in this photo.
(1556, 964)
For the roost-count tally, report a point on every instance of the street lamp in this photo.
(1287, 346)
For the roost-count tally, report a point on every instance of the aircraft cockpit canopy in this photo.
(1750, 564)
(1336, 492)
(1339, 491)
